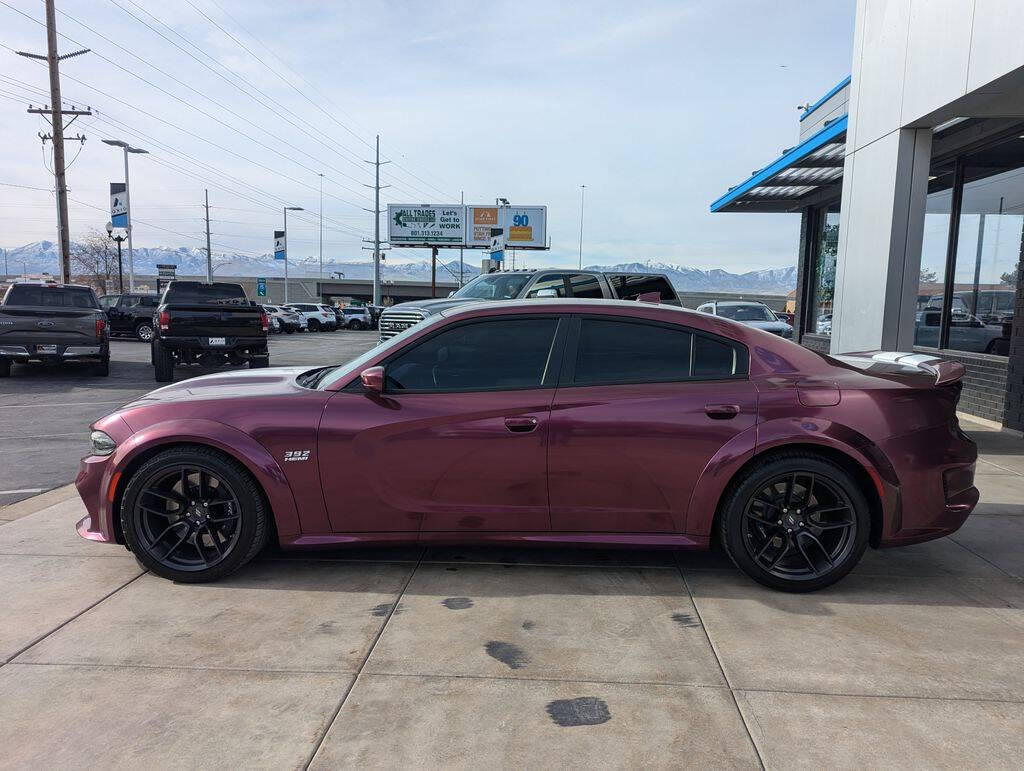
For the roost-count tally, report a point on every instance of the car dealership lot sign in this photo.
(525, 227)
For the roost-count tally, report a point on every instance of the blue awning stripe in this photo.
(827, 134)
(839, 87)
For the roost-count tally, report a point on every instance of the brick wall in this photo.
(984, 393)
(819, 343)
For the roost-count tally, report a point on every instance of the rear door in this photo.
(640, 410)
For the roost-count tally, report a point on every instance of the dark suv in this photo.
(131, 314)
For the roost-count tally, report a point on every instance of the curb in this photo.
(37, 503)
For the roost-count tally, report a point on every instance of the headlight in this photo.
(102, 444)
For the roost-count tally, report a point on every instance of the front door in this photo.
(641, 410)
(457, 442)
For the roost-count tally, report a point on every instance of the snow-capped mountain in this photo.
(41, 257)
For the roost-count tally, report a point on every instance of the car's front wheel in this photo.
(795, 522)
(193, 514)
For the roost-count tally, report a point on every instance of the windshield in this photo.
(494, 286)
(326, 378)
(746, 313)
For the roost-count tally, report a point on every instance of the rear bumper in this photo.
(23, 353)
(256, 345)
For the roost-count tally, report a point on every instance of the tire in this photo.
(102, 369)
(798, 555)
(163, 360)
(144, 331)
(357, 325)
(258, 362)
(5, 367)
(314, 325)
(289, 331)
(220, 534)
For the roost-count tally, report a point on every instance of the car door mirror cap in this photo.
(547, 293)
(372, 379)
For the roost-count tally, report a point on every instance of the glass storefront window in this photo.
(988, 250)
(823, 291)
(933, 267)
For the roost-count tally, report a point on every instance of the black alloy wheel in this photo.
(192, 514)
(314, 325)
(796, 523)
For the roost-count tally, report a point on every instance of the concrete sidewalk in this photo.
(502, 657)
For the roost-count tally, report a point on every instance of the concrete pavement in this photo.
(499, 657)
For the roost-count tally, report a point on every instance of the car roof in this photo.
(559, 305)
(734, 303)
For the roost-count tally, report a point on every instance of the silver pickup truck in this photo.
(53, 323)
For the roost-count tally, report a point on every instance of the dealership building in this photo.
(908, 177)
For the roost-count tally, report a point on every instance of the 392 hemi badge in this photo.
(290, 455)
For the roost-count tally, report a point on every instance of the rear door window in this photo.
(630, 287)
(620, 351)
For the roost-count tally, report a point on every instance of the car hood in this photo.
(430, 307)
(225, 385)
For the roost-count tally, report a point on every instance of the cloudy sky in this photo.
(657, 107)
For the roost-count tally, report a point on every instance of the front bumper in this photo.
(24, 353)
(93, 483)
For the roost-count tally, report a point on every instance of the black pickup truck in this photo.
(208, 324)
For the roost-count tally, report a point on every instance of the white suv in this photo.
(318, 318)
(356, 317)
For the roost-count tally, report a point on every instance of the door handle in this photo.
(521, 425)
(721, 411)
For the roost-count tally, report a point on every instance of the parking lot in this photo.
(489, 657)
(47, 410)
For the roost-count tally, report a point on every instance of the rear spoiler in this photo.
(944, 371)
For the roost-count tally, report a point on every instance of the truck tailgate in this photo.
(23, 325)
(206, 319)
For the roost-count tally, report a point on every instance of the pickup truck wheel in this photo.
(258, 362)
(314, 325)
(102, 369)
(144, 331)
(193, 515)
(163, 359)
(5, 367)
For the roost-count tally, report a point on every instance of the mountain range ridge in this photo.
(41, 256)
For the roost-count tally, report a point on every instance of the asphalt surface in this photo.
(45, 411)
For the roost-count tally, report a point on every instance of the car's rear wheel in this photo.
(102, 368)
(314, 325)
(795, 522)
(144, 331)
(192, 514)
(163, 360)
(356, 325)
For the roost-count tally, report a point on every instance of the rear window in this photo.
(630, 287)
(51, 296)
(354, 311)
(639, 352)
(195, 293)
(746, 312)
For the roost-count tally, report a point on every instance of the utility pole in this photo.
(56, 116)
(321, 232)
(462, 200)
(433, 271)
(583, 189)
(209, 254)
(377, 187)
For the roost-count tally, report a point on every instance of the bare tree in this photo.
(94, 258)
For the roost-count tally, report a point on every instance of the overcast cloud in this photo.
(657, 107)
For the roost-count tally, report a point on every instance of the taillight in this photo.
(101, 328)
(266, 322)
(165, 321)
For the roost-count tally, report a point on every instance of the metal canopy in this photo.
(784, 185)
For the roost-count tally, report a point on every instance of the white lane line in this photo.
(59, 404)
(16, 492)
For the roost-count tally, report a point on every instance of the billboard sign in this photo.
(118, 205)
(426, 225)
(525, 226)
(279, 245)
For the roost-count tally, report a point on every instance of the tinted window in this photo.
(750, 312)
(51, 296)
(494, 286)
(713, 359)
(488, 355)
(108, 301)
(629, 287)
(194, 292)
(555, 281)
(148, 301)
(623, 351)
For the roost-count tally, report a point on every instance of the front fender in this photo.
(237, 444)
(786, 432)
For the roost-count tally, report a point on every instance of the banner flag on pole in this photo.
(279, 245)
(118, 205)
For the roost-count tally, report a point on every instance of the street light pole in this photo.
(286, 210)
(582, 191)
(321, 231)
(128, 204)
(117, 239)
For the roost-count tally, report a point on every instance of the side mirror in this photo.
(451, 293)
(373, 379)
(547, 293)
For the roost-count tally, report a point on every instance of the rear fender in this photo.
(786, 432)
(232, 442)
